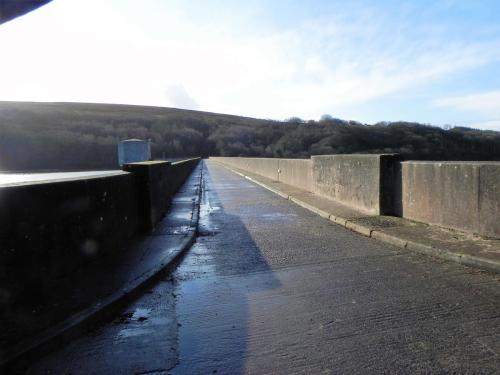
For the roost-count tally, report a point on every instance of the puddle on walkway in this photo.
(181, 230)
(133, 332)
(143, 321)
(141, 313)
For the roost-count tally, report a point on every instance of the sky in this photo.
(435, 62)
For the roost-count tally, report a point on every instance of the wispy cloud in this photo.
(326, 64)
(486, 103)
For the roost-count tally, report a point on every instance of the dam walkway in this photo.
(271, 288)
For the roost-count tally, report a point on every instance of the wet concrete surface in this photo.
(270, 288)
(35, 324)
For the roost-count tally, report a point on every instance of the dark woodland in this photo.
(70, 136)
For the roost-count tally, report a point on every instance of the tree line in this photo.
(75, 136)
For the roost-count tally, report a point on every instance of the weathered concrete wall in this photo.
(153, 190)
(460, 195)
(181, 170)
(365, 182)
(266, 167)
(50, 229)
(156, 183)
(296, 172)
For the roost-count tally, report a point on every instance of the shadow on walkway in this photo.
(216, 282)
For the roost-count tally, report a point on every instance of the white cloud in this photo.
(179, 97)
(486, 103)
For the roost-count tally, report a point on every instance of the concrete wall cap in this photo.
(149, 162)
(49, 181)
(353, 155)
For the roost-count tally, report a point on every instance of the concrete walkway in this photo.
(272, 288)
(83, 299)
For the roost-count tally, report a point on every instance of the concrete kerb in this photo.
(339, 220)
(281, 194)
(359, 228)
(464, 259)
(470, 260)
(80, 323)
(310, 207)
(390, 239)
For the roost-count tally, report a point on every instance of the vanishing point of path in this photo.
(270, 288)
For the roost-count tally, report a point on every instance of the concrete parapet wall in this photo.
(365, 182)
(180, 171)
(49, 229)
(296, 172)
(266, 167)
(457, 195)
(156, 183)
(460, 195)
(153, 190)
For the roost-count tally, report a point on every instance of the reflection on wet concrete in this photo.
(142, 338)
(213, 284)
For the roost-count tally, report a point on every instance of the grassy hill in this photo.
(75, 136)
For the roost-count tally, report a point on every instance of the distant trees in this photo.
(326, 117)
(36, 136)
(295, 120)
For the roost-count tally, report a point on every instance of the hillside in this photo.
(75, 136)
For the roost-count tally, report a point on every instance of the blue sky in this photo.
(435, 62)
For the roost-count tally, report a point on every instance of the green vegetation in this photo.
(71, 136)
